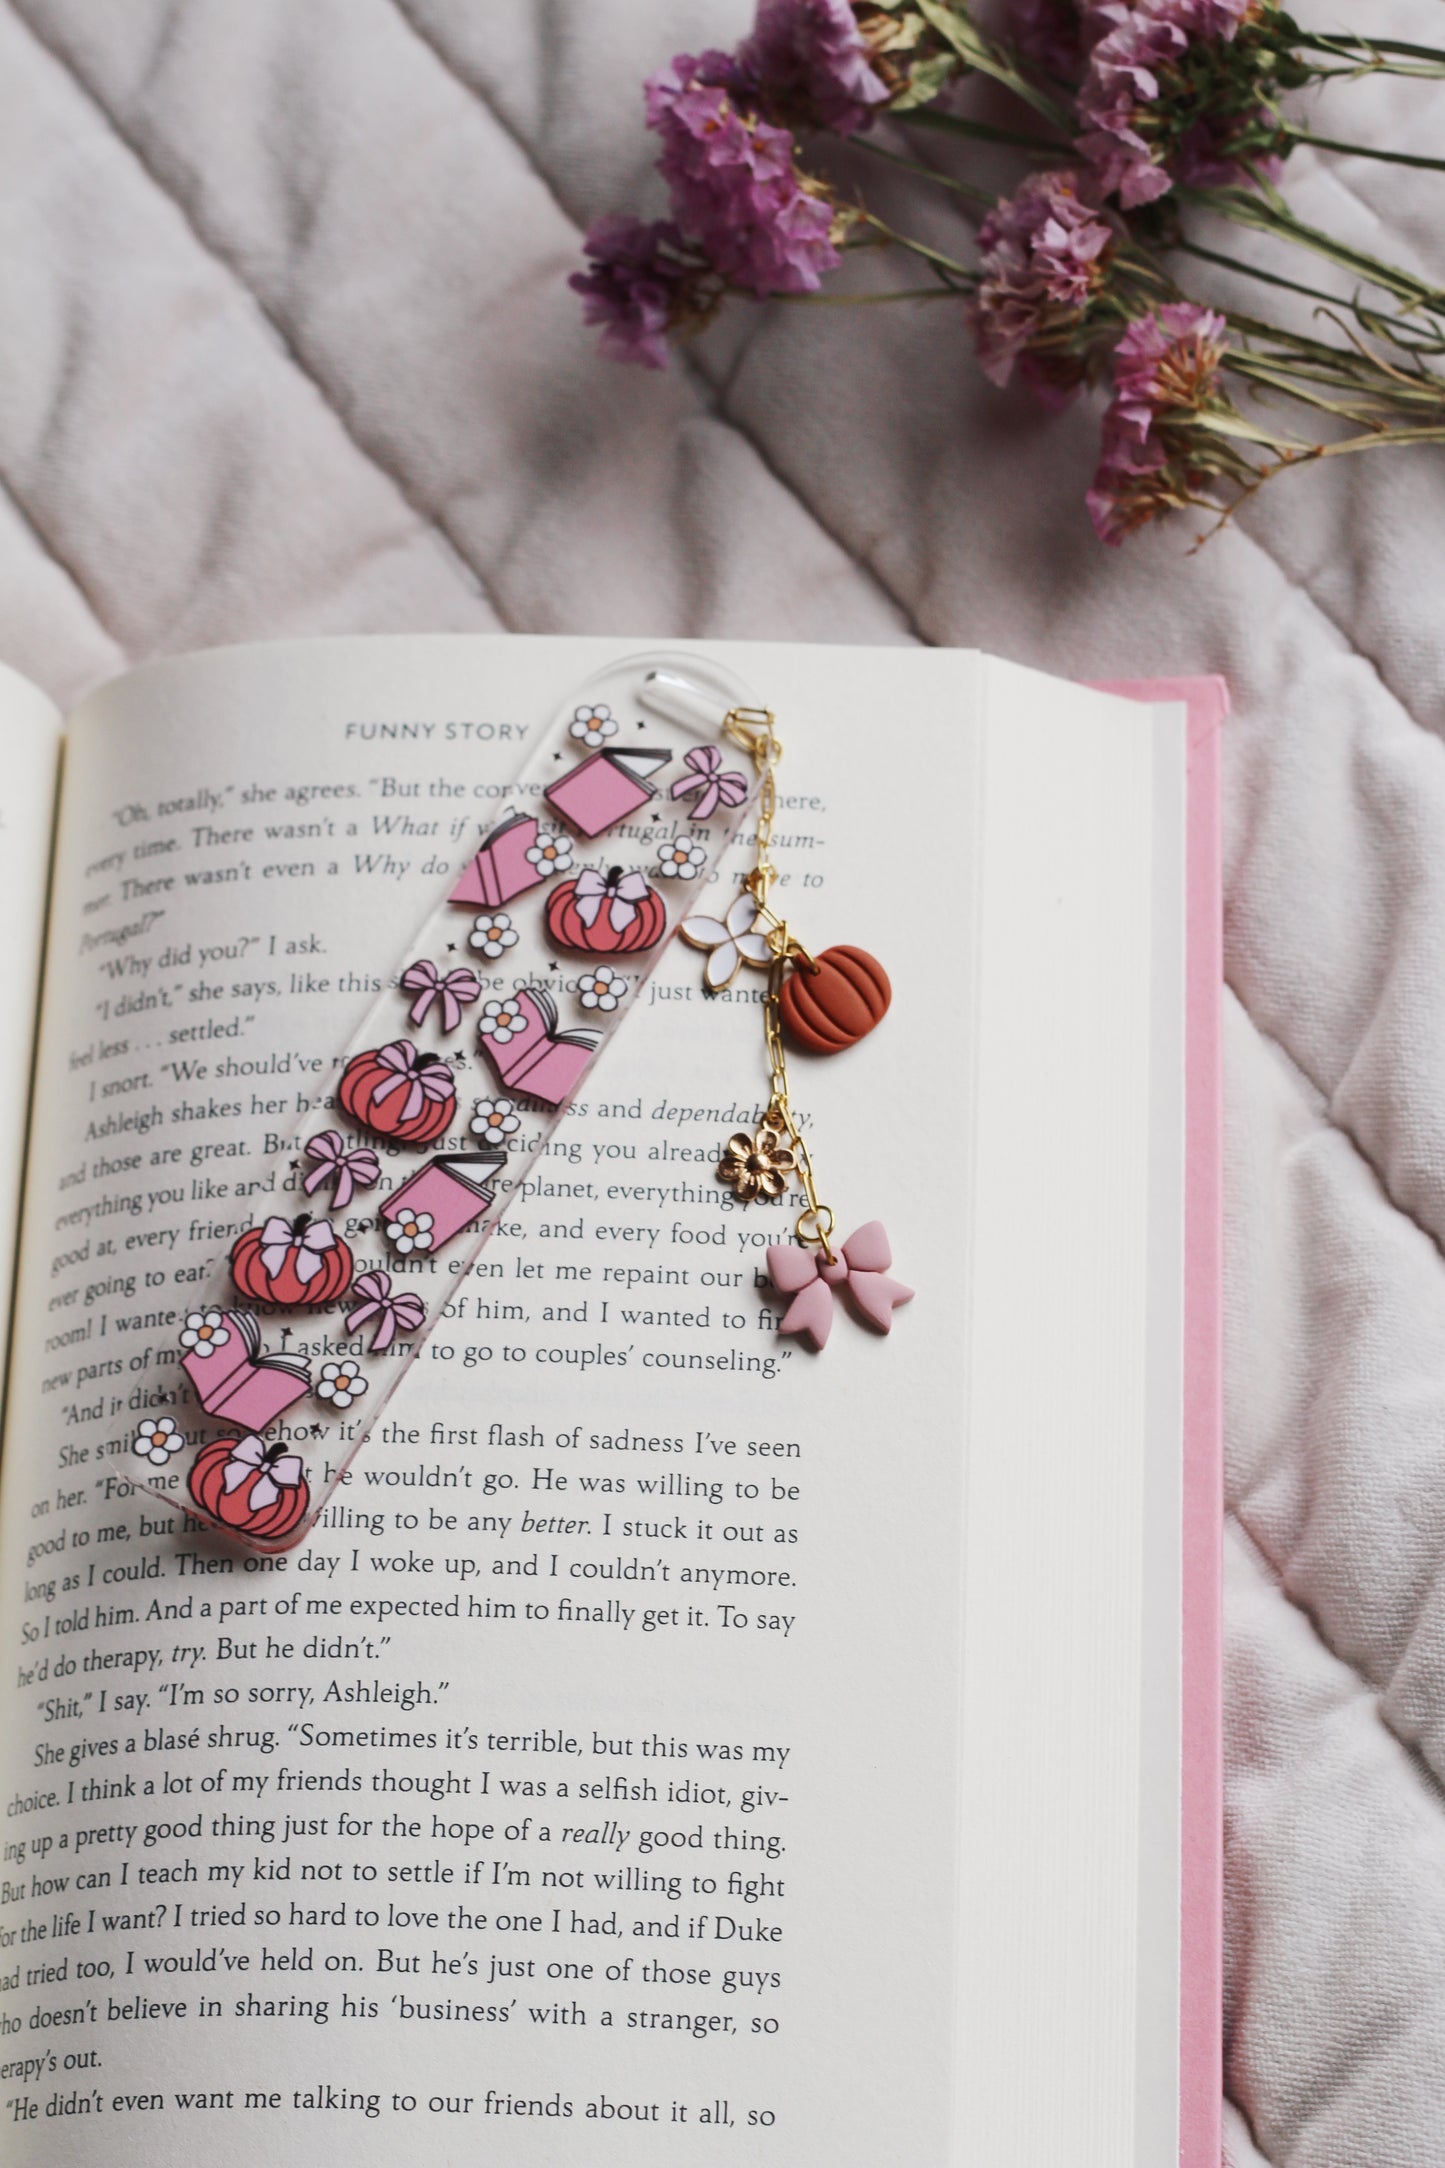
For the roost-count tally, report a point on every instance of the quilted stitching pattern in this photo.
(284, 346)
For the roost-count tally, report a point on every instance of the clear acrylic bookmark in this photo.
(535, 953)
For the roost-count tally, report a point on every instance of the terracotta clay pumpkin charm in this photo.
(245, 1484)
(300, 1264)
(835, 1003)
(397, 1091)
(606, 914)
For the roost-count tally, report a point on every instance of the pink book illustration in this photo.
(521, 1040)
(606, 787)
(440, 1201)
(501, 867)
(233, 1378)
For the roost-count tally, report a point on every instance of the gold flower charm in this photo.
(760, 1165)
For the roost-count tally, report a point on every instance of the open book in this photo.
(671, 1746)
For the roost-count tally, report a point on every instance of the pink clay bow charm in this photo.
(861, 1268)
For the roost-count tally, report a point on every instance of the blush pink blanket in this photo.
(285, 347)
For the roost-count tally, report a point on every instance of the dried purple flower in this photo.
(736, 190)
(1172, 91)
(1059, 35)
(807, 63)
(1158, 452)
(643, 282)
(1167, 364)
(1056, 34)
(1123, 80)
(1044, 253)
(1131, 486)
(1217, 18)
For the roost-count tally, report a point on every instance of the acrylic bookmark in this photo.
(622, 813)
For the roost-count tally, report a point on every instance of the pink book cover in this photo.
(606, 787)
(501, 868)
(1201, 1983)
(241, 1384)
(453, 1189)
(543, 1061)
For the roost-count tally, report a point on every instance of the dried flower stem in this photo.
(988, 56)
(1131, 117)
(1364, 150)
(948, 181)
(961, 277)
(863, 301)
(1251, 270)
(955, 124)
(1370, 55)
(1267, 212)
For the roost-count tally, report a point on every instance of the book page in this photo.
(29, 773)
(587, 1788)
(1071, 1553)
(586, 1768)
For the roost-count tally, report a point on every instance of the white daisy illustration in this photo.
(341, 1383)
(730, 942)
(494, 1121)
(205, 1331)
(594, 726)
(407, 1231)
(682, 861)
(601, 988)
(501, 1020)
(551, 853)
(493, 933)
(156, 1440)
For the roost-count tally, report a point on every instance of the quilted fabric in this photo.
(285, 347)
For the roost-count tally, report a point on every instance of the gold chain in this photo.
(754, 730)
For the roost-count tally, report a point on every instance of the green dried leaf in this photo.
(902, 38)
(988, 57)
(926, 79)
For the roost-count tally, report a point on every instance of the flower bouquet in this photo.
(1152, 136)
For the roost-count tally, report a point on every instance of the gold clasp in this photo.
(814, 1226)
(754, 729)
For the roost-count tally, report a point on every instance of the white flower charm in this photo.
(682, 861)
(501, 1021)
(205, 1331)
(341, 1383)
(594, 726)
(601, 988)
(156, 1440)
(495, 1121)
(551, 853)
(409, 1231)
(730, 942)
(493, 933)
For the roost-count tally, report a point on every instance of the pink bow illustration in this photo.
(357, 1168)
(279, 1237)
(454, 992)
(280, 1471)
(861, 1268)
(621, 892)
(715, 785)
(426, 1076)
(389, 1310)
